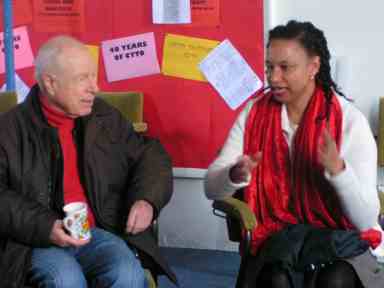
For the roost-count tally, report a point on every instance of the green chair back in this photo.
(7, 100)
(130, 105)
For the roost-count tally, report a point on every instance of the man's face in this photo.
(72, 85)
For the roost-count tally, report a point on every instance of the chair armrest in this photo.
(381, 198)
(151, 282)
(237, 209)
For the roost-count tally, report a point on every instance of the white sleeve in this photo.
(217, 181)
(356, 184)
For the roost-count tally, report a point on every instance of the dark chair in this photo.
(240, 218)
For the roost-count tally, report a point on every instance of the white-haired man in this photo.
(63, 145)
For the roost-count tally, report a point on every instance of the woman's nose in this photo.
(274, 75)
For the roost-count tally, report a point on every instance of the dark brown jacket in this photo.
(116, 166)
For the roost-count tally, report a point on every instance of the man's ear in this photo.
(48, 83)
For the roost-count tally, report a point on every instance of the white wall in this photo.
(188, 221)
(187, 216)
(355, 33)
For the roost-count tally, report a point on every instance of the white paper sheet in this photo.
(230, 74)
(22, 89)
(171, 11)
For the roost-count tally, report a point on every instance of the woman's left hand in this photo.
(328, 154)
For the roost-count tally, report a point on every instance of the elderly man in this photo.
(63, 145)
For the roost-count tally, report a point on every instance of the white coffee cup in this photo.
(76, 220)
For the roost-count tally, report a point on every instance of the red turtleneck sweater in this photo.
(72, 188)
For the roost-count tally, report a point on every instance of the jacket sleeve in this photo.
(151, 174)
(21, 219)
(217, 183)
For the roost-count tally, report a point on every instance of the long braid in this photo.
(314, 42)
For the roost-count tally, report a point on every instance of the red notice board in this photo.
(189, 117)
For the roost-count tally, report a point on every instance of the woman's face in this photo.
(291, 71)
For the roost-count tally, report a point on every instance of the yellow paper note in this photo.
(182, 55)
(94, 50)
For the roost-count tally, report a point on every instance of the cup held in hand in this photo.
(76, 220)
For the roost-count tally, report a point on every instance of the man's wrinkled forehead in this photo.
(73, 56)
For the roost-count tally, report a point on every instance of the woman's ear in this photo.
(314, 66)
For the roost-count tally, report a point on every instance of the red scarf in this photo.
(72, 187)
(288, 191)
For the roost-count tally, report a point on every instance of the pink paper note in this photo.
(22, 49)
(130, 57)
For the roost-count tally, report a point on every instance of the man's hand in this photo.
(328, 154)
(243, 168)
(140, 217)
(60, 238)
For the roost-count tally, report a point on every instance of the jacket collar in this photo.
(32, 109)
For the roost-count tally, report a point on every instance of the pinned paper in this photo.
(58, 16)
(22, 49)
(171, 11)
(230, 74)
(94, 50)
(205, 13)
(130, 57)
(22, 89)
(21, 12)
(182, 55)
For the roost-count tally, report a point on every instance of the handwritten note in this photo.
(182, 55)
(21, 49)
(171, 11)
(130, 57)
(230, 74)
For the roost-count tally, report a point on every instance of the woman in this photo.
(306, 159)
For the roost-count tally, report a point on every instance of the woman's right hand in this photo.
(241, 172)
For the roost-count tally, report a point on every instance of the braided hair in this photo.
(314, 42)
